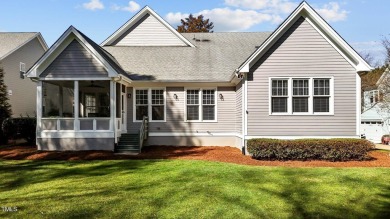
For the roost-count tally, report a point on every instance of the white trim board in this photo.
(73, 134)
(188, 134)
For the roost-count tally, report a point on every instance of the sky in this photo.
(362, 23)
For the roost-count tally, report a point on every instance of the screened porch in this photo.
(93, 107)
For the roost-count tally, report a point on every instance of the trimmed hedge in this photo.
(337, 149)
(24, 127)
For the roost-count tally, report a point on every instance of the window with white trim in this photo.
(22, 69)
(279, 95)
(158, 105)
(141, 104)
(201, 105)
(301, 96)
(321, 95)
(150, 102)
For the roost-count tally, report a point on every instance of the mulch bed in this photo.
(221, 154)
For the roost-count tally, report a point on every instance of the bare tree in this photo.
(367, 57)
(386, 45)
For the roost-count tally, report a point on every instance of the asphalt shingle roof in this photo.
(214, 58)
(10, 41)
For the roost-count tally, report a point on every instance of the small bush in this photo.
(337, 149)
(24, 127)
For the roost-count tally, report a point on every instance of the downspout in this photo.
(244, 114)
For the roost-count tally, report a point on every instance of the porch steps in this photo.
(128, 143)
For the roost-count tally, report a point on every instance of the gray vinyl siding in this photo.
(75, 144)
(239, 108)
(74, 62)
(149, 32)
(226, 113)
(23, 98)
(302, 51)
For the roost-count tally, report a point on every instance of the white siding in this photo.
(149, 32)
(302, 51)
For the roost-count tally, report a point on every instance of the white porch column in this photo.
(76, 106)
(112, 107)
(39, 106)
(61, 99)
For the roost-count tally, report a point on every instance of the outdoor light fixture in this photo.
(175, 96)
(129, 96)
(221, 96)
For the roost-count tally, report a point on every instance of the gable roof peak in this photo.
(134, 21)
(304, 9)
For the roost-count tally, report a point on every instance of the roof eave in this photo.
(32, 72)
(305, 9)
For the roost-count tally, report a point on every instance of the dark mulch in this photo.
(221, 154)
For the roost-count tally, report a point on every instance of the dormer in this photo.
(146, 28)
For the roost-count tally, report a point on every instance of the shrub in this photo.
(24, 127)
(337, 149)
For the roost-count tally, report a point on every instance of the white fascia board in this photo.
(61, 44)
(32, 72)
(135, 19)
(306, 10)
(42, 41)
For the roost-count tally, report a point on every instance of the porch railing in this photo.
(143, 132)
(71, 124)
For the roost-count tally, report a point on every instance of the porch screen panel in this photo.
(141, 104)
(94, 97)
(58, 99)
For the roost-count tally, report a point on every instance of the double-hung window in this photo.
(301, 96)
(151, 103)
(321, 95)
(279, 95)
(201, 105)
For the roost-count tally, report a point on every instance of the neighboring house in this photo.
(18, 52)
(299, 81)
(375, 120)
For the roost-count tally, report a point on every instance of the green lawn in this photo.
(189, 189)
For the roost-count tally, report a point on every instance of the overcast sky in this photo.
(362, 23)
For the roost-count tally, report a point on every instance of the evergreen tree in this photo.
(195, 25)
(5, 107)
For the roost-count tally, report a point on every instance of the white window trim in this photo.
(201, 104)
(22, 67)
(149, 103)
(311, 95)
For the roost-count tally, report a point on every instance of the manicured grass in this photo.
(189, 189)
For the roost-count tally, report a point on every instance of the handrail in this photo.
(143, 132)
